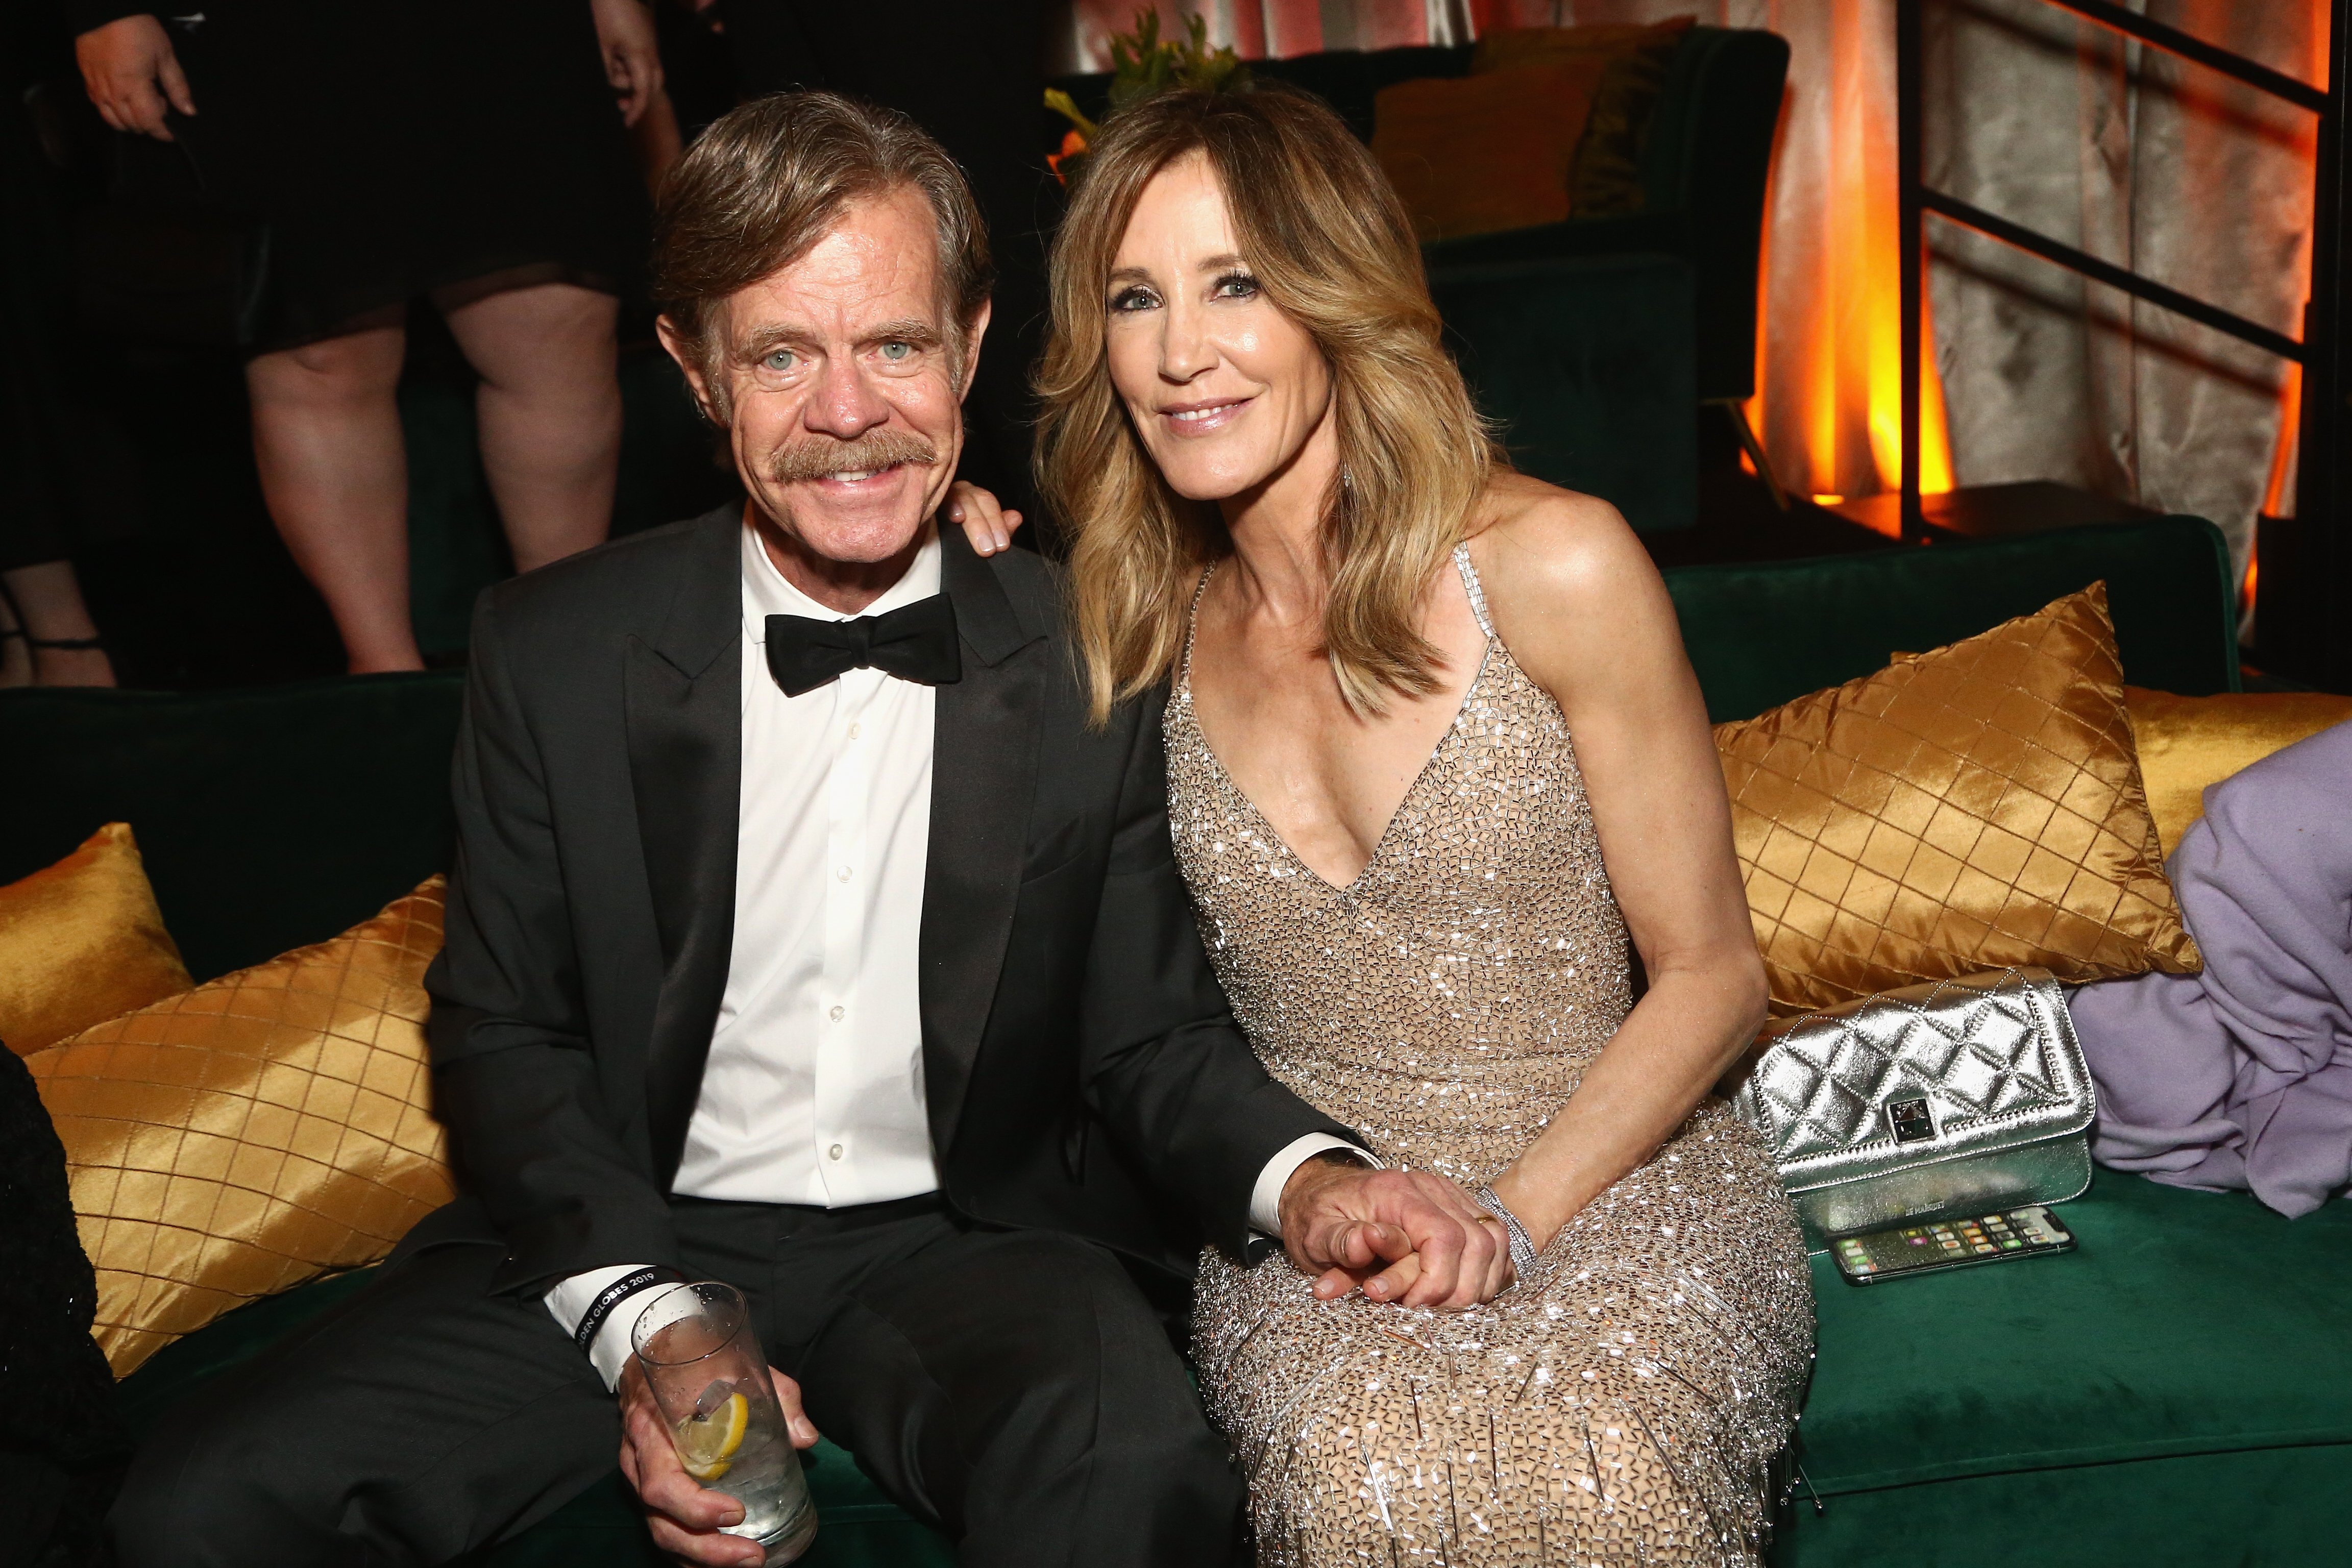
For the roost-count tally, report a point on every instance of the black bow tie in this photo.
(915, 642)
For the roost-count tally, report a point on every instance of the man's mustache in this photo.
(823, 457)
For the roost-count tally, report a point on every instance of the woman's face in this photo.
(1225, 389)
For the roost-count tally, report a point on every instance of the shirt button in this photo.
(834, 1152)
(844, 873)
(835, 1015)
(853, 731)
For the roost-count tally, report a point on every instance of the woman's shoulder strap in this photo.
(1478, 591)
(1192, 628)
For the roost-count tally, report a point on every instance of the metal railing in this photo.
(1917, 200)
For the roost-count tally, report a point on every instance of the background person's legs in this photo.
(418, 1421)
(549, 408)
(52, 620)
(16, 656)
(326, 437)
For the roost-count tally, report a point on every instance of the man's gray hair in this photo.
(769, 179)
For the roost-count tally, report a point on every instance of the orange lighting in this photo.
(1834, 347)
(2278, 496)
(1827, 499)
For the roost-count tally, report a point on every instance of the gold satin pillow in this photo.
(1962, 810)
(2187, 742)
(254, 1133)
(82, 942)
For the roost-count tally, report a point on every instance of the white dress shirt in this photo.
(813, 1089)
(812, 1092)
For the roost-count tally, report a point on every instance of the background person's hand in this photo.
(132, 74)
(686, 1518)
(1404, 1237)
(625, 32)
(988, 525)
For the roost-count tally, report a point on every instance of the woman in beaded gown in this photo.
(1434, 752)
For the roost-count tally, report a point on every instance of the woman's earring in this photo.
(1347, 480)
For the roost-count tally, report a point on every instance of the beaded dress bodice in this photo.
(1445, 1003)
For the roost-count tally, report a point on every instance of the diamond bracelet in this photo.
(1523, 1249)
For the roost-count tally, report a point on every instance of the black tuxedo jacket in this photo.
(1083, 1072)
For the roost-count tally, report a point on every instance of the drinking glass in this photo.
(702, 1360)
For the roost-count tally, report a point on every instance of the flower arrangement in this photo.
(1143, 63)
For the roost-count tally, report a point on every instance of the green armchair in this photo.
(1585, 362)
(1705, 161)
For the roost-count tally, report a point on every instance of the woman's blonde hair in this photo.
(1329, 241)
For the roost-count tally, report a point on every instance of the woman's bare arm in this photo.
(1574, 595)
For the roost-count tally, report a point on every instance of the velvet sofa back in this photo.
(277, 817)
(1762, 633)
(268, 818)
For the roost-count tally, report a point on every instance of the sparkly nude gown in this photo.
(1624, 1406)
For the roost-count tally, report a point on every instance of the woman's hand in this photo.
(133, 76)
(987, 525)
(1406, 1236)
(624, 31)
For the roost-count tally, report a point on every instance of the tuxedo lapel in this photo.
(684, 705)
(984, 774)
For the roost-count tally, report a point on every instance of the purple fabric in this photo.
(2241, 1077)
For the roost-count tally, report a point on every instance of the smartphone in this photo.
(1909, 1249)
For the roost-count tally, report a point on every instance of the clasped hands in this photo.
(1406, 1238)
(1402, 1236)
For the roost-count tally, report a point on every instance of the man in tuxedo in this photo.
(802, 935)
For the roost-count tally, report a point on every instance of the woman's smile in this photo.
(1206, 417)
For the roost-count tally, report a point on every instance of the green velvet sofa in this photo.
(2180, 1391)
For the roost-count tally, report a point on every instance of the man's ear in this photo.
(974, 332)
(674, 342)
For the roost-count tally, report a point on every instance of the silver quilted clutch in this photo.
(1955, 1097)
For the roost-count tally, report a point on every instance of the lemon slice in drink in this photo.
(707, 1444)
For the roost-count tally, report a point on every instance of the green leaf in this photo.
(1142, 63)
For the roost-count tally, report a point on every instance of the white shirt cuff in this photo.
(569, 1302)
(1265, 1198)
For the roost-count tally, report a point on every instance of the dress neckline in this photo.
(1388, 829)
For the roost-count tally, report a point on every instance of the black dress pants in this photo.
(1013, 1388)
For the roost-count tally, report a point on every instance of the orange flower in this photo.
(1073, 145)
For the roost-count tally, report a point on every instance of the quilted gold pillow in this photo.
(254, 1133)
(1962, 810)
(80, 941)
(2187, 742)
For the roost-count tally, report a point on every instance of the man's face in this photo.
(842, 374)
